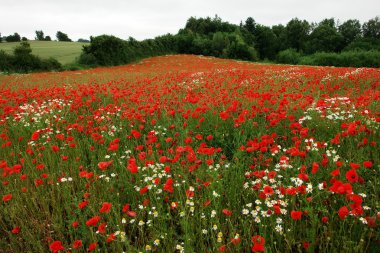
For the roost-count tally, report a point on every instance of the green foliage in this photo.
(288, 56)
(84, 40)
(365, 44)
(344, 59)
(13, 38)
(266, 42)
(248, 41)
(106, 50)
(241, 51)
(40, 35)
(350, 30)
(325, 38)
(219, 43)
(24, 61)
(371, 29)
(297, 32)
(62, 36)
(5, 61)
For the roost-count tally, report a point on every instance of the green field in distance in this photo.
(64, 52)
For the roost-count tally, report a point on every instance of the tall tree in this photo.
(62, 36)
(250, 25)
(350, 30)
(40, 35)
(371, 29)
(280, 32)
(297, 32)
(266, 42)
(325, 38)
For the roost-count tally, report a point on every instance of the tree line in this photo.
(298, 42)
(39, 36)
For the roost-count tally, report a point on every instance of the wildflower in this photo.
(93, 221)
(343, 212)
(258, 243)
(56, 246)
(106, 207)
(104, 165)
(92, 246)
(7, 197)
(77, 244)
(296, 215)
(16, 230)
(352, 176)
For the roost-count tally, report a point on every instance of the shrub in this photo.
(344, 59)
(104, 50)
(241, 51)
(288, 56)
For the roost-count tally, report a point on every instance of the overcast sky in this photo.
(144, 19)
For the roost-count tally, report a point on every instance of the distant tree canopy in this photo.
(62, 36)
(84, 40)
(247, 41)
(13, 38)
(40, 36)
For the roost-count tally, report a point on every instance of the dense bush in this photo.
(241, 51)
(288, 56)
(106, 50)
(13, 38)
(344, 59)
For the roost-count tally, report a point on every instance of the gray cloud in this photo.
(149, 18)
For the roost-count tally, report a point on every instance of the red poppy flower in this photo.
(16, 230)
(367, 164)
(268, 190)
(77, 244)
(56, 246)
(314, 168)
(7, 197)
(93, 221)
(258, 248)
(258, 239)
(102, 228)
(222, 248)
(258, 243)
(92, 246)
(343, 212)
(111, 238)
(106, 207)
(296, 215)
(104, 165)
(227, 212)
(352, 176)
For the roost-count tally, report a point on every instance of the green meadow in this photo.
(64, 52)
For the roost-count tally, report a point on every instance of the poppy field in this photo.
(191, 154)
